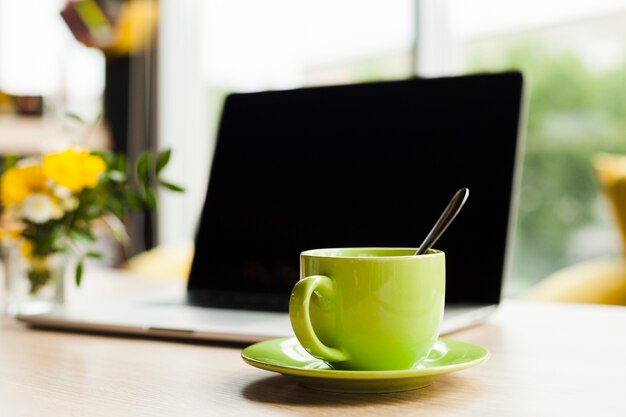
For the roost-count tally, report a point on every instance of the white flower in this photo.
(57, 212)
(61, 192)
(70, 204)
(28, 162)
(39, 208)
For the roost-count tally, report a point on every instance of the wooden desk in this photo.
(547, 360)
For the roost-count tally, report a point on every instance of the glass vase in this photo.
(32, 285)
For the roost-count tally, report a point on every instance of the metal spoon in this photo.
(453, 208)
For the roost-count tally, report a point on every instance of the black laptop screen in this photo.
(360, 165)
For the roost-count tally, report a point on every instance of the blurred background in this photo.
(153, 73)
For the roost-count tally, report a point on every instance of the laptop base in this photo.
(185, 322)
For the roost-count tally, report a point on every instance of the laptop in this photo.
(361, 165)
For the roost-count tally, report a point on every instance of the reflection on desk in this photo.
(547, 360)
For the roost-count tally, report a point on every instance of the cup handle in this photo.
(301, 318)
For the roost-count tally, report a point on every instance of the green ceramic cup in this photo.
(369, 308)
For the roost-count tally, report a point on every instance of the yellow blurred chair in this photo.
(162, 262)
(599, 281)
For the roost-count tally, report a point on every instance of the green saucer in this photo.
(288, 357)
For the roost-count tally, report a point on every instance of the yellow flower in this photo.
(64, 169)
(35, 262)
(9, 232)
(13, 187)
(14, 232)
(11, 229)
(73, 170)
(33, 177)
(92, 167)
(26, 248)
(19, 182)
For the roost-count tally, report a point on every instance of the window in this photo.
(214, 47)
(574, 57)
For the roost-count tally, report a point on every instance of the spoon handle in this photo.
(453, 208)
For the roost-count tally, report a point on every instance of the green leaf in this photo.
(117, 176)
(81, 234)
(9, 161)
(79, 272)
(115, 206)
(132, 199)
(95, 255)
(170, 186)
(75, 117)
(121, 164)
(143, 166)
(163, 159)
(91, 211)
(107, 157)
(150, 198)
